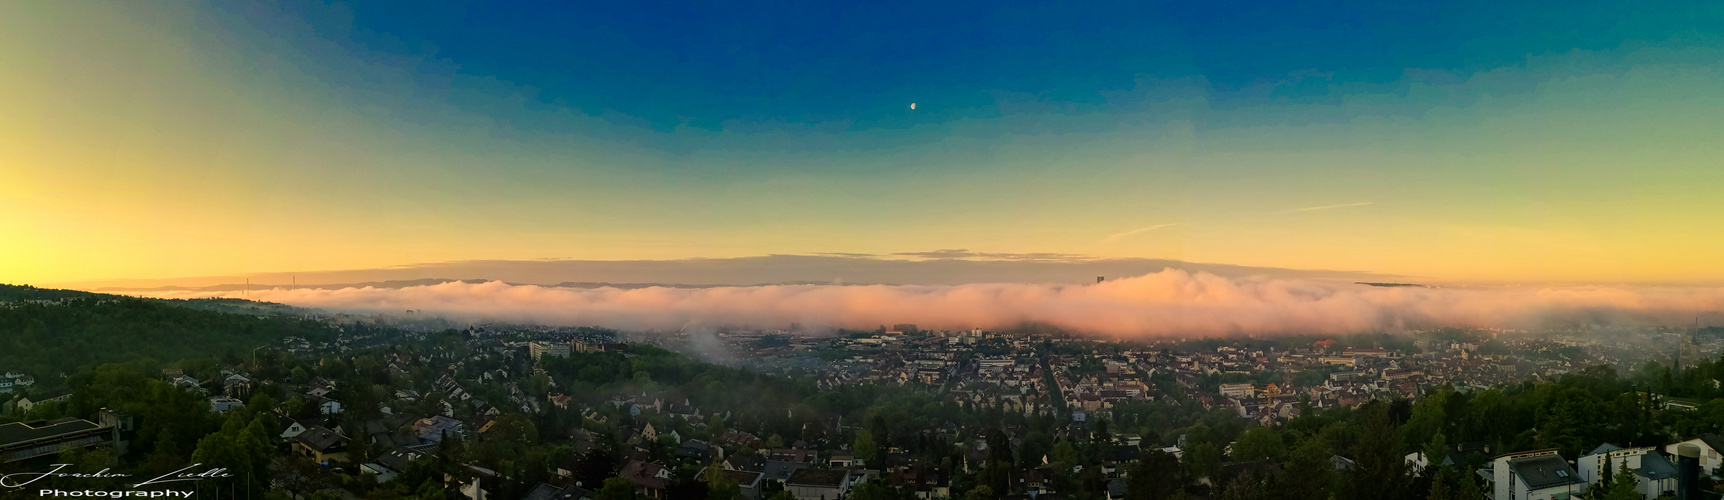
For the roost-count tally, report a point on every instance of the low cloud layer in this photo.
(938, 267)
(1171, 303)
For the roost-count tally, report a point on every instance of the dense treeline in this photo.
(1302, 459)
(82, 331)
(25, 293)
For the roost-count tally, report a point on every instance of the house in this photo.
(388, 465)
(224, 403)
(794, 455)
(546, 491)
(699, 450)
(684, 411)
(13, 381)
(1116, 489)
(184, 381)
(1710, 447)
(748, 481)
(926, 482)
(321, 444)
(320, 386)
(472, 491)
(1237, 391)
(742, 439)
(1034, 481)
(843, 460)
(26, 440)
(818, 484)
(781, 471)
(236, 386)
(25, 404)
(392, 431)
(383, 474)
(432, 429)
(741, 462)
(1655, 473)
(296, 427)
(1532, 475)
(649, 479)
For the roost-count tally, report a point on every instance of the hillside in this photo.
(46, 333)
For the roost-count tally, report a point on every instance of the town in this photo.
(371, 409)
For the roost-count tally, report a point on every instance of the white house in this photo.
(14, 380)
(1710, 445)
(1655, 472)
(1533, 475)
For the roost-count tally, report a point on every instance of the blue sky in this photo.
(665, 64)
(1483, 141)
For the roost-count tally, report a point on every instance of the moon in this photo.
(912, 105)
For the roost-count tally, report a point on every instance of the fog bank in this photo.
(1167, 303)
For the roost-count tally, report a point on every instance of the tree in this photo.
(865, 447)
(1245, 487)
(1309, 471)
(298, 475)
(1154, 476)
(1065, 454)
(617, 488)
(1382, 471)
(1257, 444)
(1450, 483)
(1621, 486)
(982, 492)
(872, 490)
(596, 465)
(1203, 461)
(1569, 418)
(1435, 452)
(238, 448)
(1440, 491)
(1429, 416)
(999, 447)
(718, 485)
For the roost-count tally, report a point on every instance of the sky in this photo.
(1475, 142)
